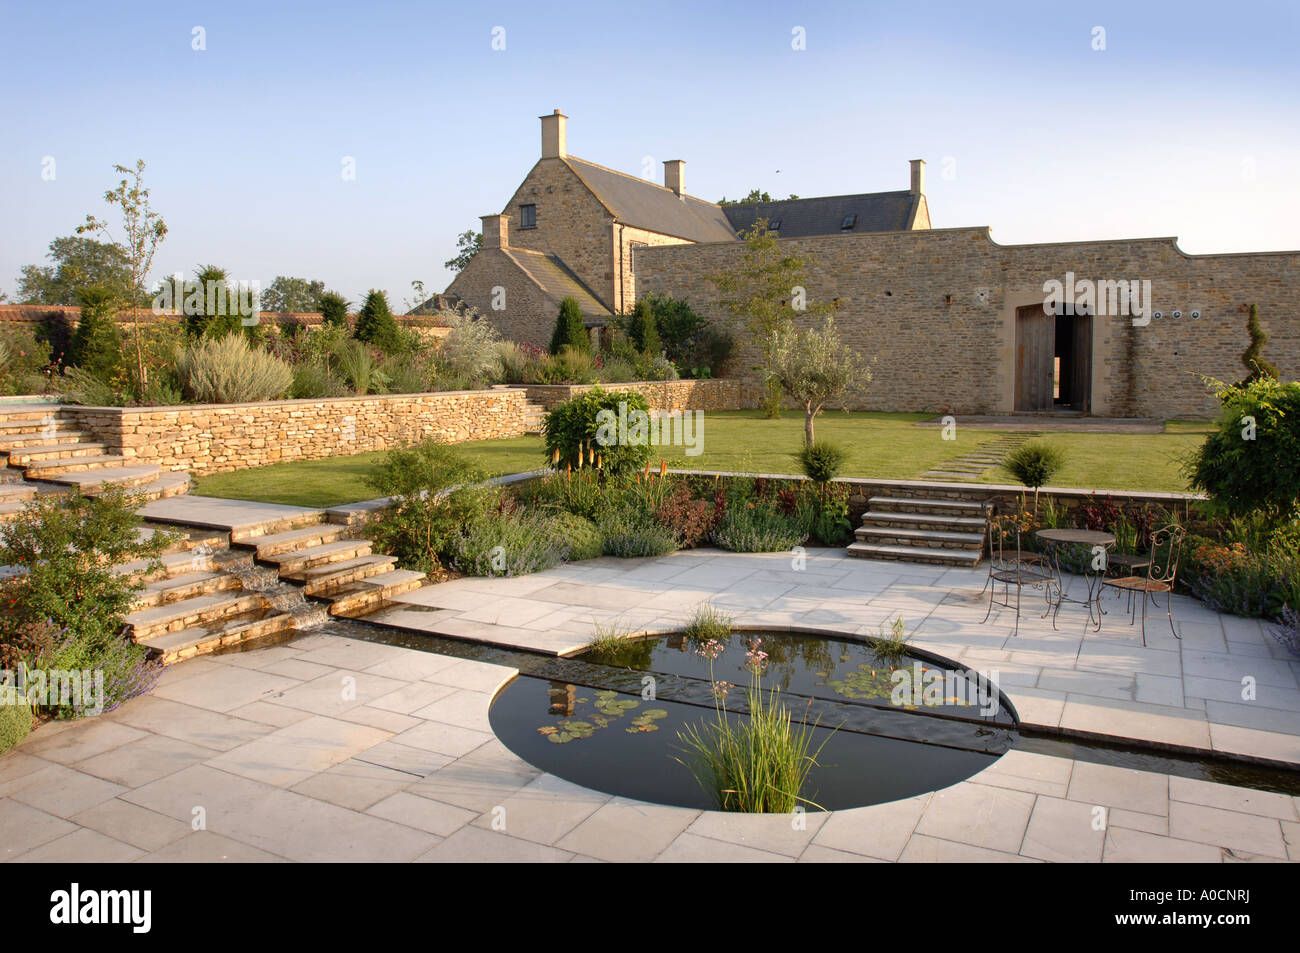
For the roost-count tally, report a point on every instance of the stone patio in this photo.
(329, 748)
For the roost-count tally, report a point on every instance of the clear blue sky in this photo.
(1186, 124)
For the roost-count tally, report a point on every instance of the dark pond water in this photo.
(596, 729)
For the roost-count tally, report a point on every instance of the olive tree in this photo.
(815, 367)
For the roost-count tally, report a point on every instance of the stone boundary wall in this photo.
(712, 394)
(936, 309)
(218, 438)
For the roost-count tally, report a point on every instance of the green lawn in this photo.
(885, 446)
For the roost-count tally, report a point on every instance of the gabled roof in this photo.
(874, 211)
(556, 281)
(643, 204)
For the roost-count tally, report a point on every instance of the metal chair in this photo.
(1162, 573)
(1012, 567)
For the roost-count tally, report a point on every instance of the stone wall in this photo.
(936, 311)
(217, 438)
(529, 314)
(661, 395)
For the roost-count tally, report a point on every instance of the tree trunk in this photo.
(808, 435)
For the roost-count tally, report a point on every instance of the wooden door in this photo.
(1081, 365)
(1035, 358)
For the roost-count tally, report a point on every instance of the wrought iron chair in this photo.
(1162, 573)
(1013, 567)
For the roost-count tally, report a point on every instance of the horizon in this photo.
(1188, 128)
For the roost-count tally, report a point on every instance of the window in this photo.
(775, 226)
(631, 255)
(528, 216)
(849, 221)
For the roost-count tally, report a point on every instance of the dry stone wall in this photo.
(217, 438)
(661, 395)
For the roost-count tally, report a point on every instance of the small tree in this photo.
(286, 294)
(143, 230)
(765, 292)
(1034, 464)
(210, 306)
(569, 328)
(376, 324)
(816, 367)
(643, 331)
(96, 345)
(1256, 366)
(334, 309)
(1248, 464)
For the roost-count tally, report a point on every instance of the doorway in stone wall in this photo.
(1053, 360)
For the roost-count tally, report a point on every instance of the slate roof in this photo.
(875, 211)
(550, 274)
(643, 204)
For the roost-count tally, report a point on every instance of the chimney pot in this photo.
(554, 145)
(918, 177)
(675, 176)
(496, 231)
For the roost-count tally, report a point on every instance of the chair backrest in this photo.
(1004, 543)
(1166, 550)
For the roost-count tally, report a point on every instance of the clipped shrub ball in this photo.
(822, 460)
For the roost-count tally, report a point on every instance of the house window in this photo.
(631, 255)
(528, 216)
(849, 221)
(775, 226)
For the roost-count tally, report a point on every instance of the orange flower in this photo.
(663, 466)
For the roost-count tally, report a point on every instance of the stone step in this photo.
(189, 613)
(89, 482)
(924, 521)
(41, 438)
(935, 507)
(199, 640)
(930, 539)
(313, 556)
(184, 585)
(16, 492)
(370, 595)
(286, 541)
(242, 534)
(45, 469)
(9, 511)
(167, 484)
(198, 559)
(916, 554)
(328, 579)
(29, 416)
(25, 456)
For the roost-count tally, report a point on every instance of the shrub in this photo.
(1287, 630)
(15, 724)
(226, 370)
(630, 532)
(822, 460)
(376, 324)
(1249, 462)
(82, 387)
(1231, 578)
(509, 543)
(586, 426)
(689, 341)
(470, 349)
(514, 364)
(691, 520)
(334, 310)
(642, 331)
(579, 535)
(311, 379)
(569, 329)
(757, 528)
(1034, 464)
(67, 550)
(436, 494)
(55, 332)
(359, 366)
(410, 373)
(570, 366)
(583, 493)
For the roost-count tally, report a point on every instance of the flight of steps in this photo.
(44, 451)
(265, 579)
(940, 529)
(534, 417)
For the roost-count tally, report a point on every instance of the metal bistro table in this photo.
(1056, 539)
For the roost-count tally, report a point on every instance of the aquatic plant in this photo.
(891, 646)
(753, 764)
(708, 624)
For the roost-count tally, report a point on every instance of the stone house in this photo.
(952, 319)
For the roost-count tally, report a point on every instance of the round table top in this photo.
(1087, 537)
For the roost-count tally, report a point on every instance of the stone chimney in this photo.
(496, 231)
(918, 177)
(553, 137)
(675, 175)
